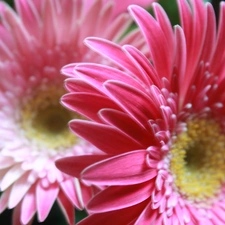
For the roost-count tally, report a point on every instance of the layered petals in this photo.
(122, 169)
(38, 38)
(162, 131)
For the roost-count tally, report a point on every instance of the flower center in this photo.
(198, 160)
(44, 120)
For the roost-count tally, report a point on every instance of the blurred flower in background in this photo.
(163, 128)
(120, 6)
(38, 39)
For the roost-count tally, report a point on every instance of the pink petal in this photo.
(68, 188)
(96, 75)
(114, 197)
(11, 176)
(111, 51)
(78, 85)
(147, 216)
(89, 29)
(136, 40)
(194, 36)
(117, 217)
(116, 30)
(180, 57)
(86, 193)
(75, 164)
(103, 18)
(16, 217)
(125, 169)
(102, 135)
(4, 199)
(119, 6)
(210, 36)
(126, 124)
(28, 205)
(87, 104)
(68, 70)
(144, 108)
(18, 31)
(45, 199)
(156, 39)
(67, 13)
(164, 23)
(219, 211)
(146, 71)
(29, 14)
(220, 45)
(21, 186)
(6, 161)
(67, 208)
(49, 24)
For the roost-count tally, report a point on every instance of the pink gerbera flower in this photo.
(34, 45)
(160, 122)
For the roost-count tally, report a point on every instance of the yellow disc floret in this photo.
(44, 121)
(198, 160)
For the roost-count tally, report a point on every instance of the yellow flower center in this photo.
(45, 122)
(198, 160)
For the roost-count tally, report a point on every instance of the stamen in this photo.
(198, 160)
(44, 120)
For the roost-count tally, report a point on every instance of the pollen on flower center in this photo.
(44, 121)
(197, 160)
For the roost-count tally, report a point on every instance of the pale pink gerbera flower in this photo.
(160, 122)
(34, 45)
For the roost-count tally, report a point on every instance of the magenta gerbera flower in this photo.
(36, 42)
(160, 122)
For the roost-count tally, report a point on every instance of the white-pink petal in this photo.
(68, 188)
(11, 176)
(21, 186)
(28, 205)
(45, 198)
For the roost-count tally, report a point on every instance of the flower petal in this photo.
(29, 15)
(111, 51)
(69, 190)
(126, 124)
(96, 75)
(28, 205)
(45, 199)
(146, 71)
(6, 161)
(147, 216)
(92, 102)
(128, 168)
(11, 176)
(120, 217)
(67, 208)
(156, 39)
(79, 85)
(4, 199)
(75, 164)
(101, 135)
(119, 197)
(21, 186)
(16, 216)
(144, 108)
